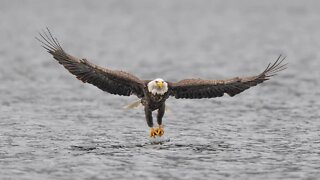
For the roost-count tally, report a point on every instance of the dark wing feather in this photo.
(112, 81)
(199, 88)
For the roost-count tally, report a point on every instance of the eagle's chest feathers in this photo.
(156, 97)
(154, 101)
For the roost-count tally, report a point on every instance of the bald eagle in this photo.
(152, 93)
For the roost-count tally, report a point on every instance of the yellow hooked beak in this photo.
(160, 84)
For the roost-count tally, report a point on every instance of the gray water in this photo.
(54, 127)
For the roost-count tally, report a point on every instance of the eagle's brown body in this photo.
(126, 84)
(153, 102)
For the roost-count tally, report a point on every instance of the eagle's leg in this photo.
(161, 111)
(148, 114)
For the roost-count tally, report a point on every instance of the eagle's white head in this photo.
(158, 86)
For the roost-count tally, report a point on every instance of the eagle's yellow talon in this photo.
(153, 133)
(160, 131)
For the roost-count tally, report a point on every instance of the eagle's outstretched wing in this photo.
(199, 88)
(112, 81)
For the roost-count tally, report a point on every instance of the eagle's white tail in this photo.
(168, 109)
(133, 105)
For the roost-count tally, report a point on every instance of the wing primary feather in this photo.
(52, 38)
(46, 38)
(269, 68)
(276, 62)
(266, 68)
(58, 43)
(45, 47)
(48, 44)
(280, 67)
(276, 68)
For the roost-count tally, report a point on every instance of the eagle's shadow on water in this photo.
(217, 146)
